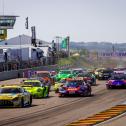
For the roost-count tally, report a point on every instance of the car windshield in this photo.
(65, 72)
(107, 71)
(35, 84)
(73, 83)
(99, 70)
(10, 90)
(77, 71)
(62, 81)
(43, 75)
(84, 75)
(118, 77)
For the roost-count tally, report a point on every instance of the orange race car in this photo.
(46, 75)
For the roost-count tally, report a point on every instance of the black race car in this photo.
(104, 74)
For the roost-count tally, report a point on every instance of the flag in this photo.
(54, 46)
(64, 43)
(26, 23)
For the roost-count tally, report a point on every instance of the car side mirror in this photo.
(42, 85)
(25, 91)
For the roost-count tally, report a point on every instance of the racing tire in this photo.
(56, 91)
(48, 92)
(44, 90)
(61, 95)
(22, 103)
(108, 87)
(30, 102)
(99, 78)
(94, 84)
(89, 94)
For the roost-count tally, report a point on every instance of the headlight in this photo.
(16, 99)
(110, 82)
(70, 76)
(39, 90)
(61, 88)
(100, 74)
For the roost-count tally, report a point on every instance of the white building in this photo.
(20, 48)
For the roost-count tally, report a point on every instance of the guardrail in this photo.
(65, 66)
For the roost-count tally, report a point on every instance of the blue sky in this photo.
(82, 20)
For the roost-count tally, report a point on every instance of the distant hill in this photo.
(98, 46)
(91, 46)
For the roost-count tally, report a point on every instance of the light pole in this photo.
(3, 6)
(68, 46)
(58, 44)
(20, 57)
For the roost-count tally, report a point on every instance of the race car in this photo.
(63, 74)
(75, 87)
(97, 71)
(36, 88)
(88, 76)
(58, 84)
(46, 75)
(14, 96)
(52, 72)
(78, 70)
(119, 71)
(117, 80)
(104, 74)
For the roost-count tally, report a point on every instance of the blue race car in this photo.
(75, 87)
(117, 80)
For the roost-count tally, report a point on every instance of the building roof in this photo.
(21, 40)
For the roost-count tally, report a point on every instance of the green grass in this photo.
(82, 61)
(68, 60)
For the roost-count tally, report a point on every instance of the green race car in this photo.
(63, 74)
(36, 88)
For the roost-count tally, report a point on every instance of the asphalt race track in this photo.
(55, 111)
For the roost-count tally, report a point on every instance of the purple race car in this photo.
(117, 80)
(75, 87)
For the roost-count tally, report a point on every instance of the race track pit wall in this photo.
(101, 117)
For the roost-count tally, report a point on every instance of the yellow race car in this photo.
(36, 88)
(58, 85)
(96, 72)
(14, 96)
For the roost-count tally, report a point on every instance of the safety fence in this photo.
(5, 75)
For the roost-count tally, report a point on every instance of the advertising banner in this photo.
(113, 54)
